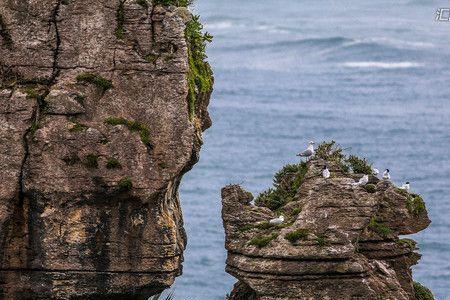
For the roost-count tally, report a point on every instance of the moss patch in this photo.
(378, 226)
(296, 235)
(421, 292)
(321, 241)
(370, 188)
(125, 184)
(35, 126)
(78, 127)
(113, 163)
(285, 185)
(96, 80)
(359, 165)
(408, 242)
(415, 204)
(120, 19)
(200, 76)
(134, 126)
(91, 161)
(263, 240)
(71, 159)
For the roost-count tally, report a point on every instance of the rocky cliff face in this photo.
(338, 240)
(101, 114)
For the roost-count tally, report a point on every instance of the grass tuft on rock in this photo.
(120, 19)
(71, 159)
(200, 75)
(113, 163)
(331, 152)
(415, 204)
(96, 80)
(408, 242)
(422, 292)
(285, 185)
(133, 126)
(125, 184)
(370, 188)
(78, 127)
(359, 165)
(378, 226)
(321, 241)
(91, 161)
(296, 235)
(263, 240)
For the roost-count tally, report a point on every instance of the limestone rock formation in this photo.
(99, 120)
(339, 240)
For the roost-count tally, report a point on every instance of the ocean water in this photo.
(372, 75)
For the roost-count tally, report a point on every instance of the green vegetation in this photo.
(415, 204)
(32, 93)
(142, 3)
(421, 292)
(71, 159)
(200, 76)
(78, 127)
(263, 240)
(296, 235)
(296, 211)
(409, 242)
(133, 126)
(286, 183)
(124, 184)
(321, 241)
(379, 227)
(181, 3)
(359, 166)
(120, 19)
(34, 127)
(96, 80)
(370, 188)
(91, 161)
(4, 34)
(113, 163)
(151, 58)
(331, 152)
(264, 226)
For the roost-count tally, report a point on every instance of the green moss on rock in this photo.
(370, 188)
(422, 292)
(113, 163)
(91, 161)
(359, 165)
(133, 126)
(125, 184)
(415, 204)
(296, 235)
(378, 226)
(96, 80)
(263, 240)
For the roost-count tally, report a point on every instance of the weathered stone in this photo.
(89, 208)
(343, 255)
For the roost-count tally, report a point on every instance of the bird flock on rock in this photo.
(309, 152)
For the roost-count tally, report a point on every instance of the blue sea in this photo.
(372, 75)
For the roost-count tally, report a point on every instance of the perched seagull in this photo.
(277, 221)
(386, 174)
(309, 151)
(363, 181)
(406, 187)
(375, 172)
(326, 172)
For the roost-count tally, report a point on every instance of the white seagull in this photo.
(277, 221)
(386, 174)
(309, 151)
(326, 172)
(406, 187)
(363, 181)
(375, 172)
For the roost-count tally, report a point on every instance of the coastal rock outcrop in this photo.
(102, 108)
(339, 240)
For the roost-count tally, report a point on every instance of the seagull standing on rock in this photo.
(386, 174)
(406, 187)
(309, 151)
(375, 172)
(326, 172)
(363, 181)
(277, 221)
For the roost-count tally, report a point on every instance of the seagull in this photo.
(277, 221)
(363, 181)
(386, 174)
(309, 151)
(406, 187)
(375, 172)
(326, 172)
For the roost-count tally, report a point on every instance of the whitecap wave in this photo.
(382, 65)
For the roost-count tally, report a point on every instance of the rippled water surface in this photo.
(373, 75)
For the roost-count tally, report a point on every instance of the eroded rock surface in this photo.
(339, 241)
(95, 136)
